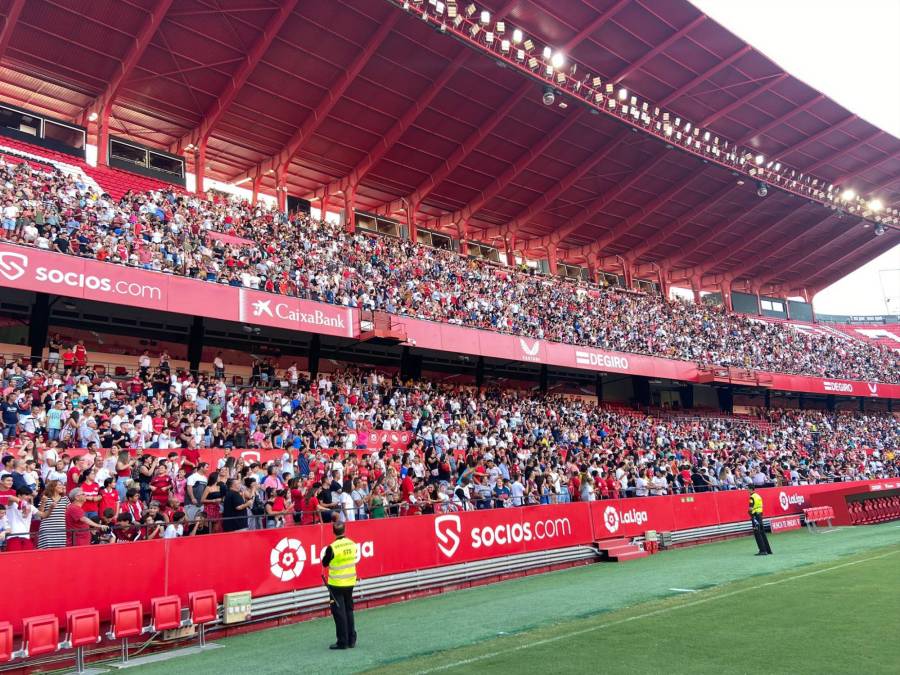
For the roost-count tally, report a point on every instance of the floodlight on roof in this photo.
(547, 53)
(471, 9)
(876, 205)
(485, 17)
(558, 60)
(623, 94)
(517, 36)
(759, 160)
(848, 194)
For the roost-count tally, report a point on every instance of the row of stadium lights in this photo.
(551, 64)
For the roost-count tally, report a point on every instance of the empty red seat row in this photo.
(874, 510)
(818, 514)
(40, 634)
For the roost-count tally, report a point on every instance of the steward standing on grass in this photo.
(756, 518)
(340, 561)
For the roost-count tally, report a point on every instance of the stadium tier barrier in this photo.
(274, 561)
(37, 270)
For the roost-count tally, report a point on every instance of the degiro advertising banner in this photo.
(272, 561)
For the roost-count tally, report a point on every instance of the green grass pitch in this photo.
(824, 603)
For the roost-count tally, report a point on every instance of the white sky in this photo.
(849, 51)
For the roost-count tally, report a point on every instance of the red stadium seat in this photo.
(6, 642)
(204, 610)
(127, 621)
(165, 613)
(83, 630)
(40, 635)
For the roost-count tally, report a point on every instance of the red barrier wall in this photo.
(266, 562)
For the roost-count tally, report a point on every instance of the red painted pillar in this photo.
(411, 208)
(628, 273)
(349, 210)
(103, 135)
(662, 275)
(200, 166)
(552, 259)
(511, 249)
(323, 206)
(725, 289)
(462, 230)
(254, 186)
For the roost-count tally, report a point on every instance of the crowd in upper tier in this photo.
(294, 255)
(125, 454)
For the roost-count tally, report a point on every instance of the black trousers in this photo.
(759, 531)
(342, 611)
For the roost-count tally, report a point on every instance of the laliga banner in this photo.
(267, 562)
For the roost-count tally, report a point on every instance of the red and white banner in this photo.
(267, 562)
(33, 269)
(785, 523)
(212, 235)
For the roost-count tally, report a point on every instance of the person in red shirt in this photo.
(6, 489)
(109, 496)
(68, 358)
(78, 525)
(161, 485)
(80, 354)
(191, 457)
(91, 491)
(73, 475)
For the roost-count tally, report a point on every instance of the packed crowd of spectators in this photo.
(90, 458)
(175, 233)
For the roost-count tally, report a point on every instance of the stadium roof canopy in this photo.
(363, 97)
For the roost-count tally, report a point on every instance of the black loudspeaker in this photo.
(297, 205)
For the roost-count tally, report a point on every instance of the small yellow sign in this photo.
(236, 607)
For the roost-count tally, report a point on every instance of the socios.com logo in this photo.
(286, 559)
(447, 530)
(13, 265)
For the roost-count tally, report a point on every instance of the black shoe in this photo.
(762, 553)
(352, 645)
(337, 646)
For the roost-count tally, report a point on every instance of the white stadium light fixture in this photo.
(558, 60)
(517, 36)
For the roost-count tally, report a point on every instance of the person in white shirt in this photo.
(517, 492)
(175, 529)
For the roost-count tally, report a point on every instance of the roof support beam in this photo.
(853, 251)
(595, 25)
(353, 179)
(687, 86)
(843, 151)
(703, 239)
(662, 46)
(512, 172)
(595, 207)
(386, 142)
(669, 230)
(546, 199)
(636, 218)
(803, 142)
(869, 167)
(250, 61)
(281, 160)
(737, 103)
(459, 155)
(747, 243)
(12, 17)
(835, 234)
(778, 120)
(859, 257)
(102, 105)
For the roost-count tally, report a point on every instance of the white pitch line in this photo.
(683, 590)
(638, 617)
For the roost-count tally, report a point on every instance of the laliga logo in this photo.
(612, 519)
(261, 307)
(13, 265)
(784, 500)
(286, 559)
(447, 529)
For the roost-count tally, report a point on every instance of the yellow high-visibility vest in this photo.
(756, 505)
(342, 568)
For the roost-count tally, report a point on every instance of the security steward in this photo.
(756, 517)
(340, 561)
